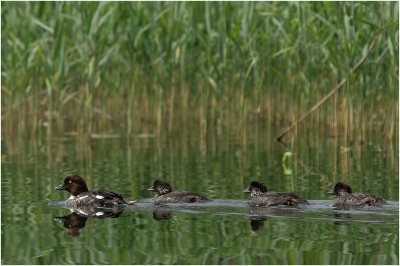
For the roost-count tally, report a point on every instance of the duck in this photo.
(348, 198)
(82, 196)
(166, 195)
(260, 196)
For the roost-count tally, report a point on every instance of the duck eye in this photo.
(70, 181)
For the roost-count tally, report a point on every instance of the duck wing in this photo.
(292, 198)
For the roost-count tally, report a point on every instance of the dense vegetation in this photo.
(151, 67)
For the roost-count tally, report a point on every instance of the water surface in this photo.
(224, 231)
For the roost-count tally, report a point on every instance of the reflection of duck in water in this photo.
(257, 222)
(341, 217)
(73, 223)
(261, 197)
(77, 219)
(81, 196)
(161, 216)
(260, 210)
(346, 197)
(166, 195)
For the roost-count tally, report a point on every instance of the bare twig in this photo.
(96, 110)
(311, 110)
(358, 65)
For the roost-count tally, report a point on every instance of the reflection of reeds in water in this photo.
(222, 161)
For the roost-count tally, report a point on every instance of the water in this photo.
(224, 231)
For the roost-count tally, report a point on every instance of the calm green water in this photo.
(225, 231)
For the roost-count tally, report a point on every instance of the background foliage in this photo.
(133, 67)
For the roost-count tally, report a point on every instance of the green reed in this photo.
(149, 67)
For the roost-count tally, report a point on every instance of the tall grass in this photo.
(155, 67)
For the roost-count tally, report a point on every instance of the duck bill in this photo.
(332, 192)
(247, 190)
(151, 188)
(60, 187)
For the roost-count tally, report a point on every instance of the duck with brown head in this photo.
(82, 196)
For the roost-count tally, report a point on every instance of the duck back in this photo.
(181, 197)
(277, 198)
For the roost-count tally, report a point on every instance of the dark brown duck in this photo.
(166, 195)
(259, 196)
(347, 197)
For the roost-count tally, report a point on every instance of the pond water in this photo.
(38, 229)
